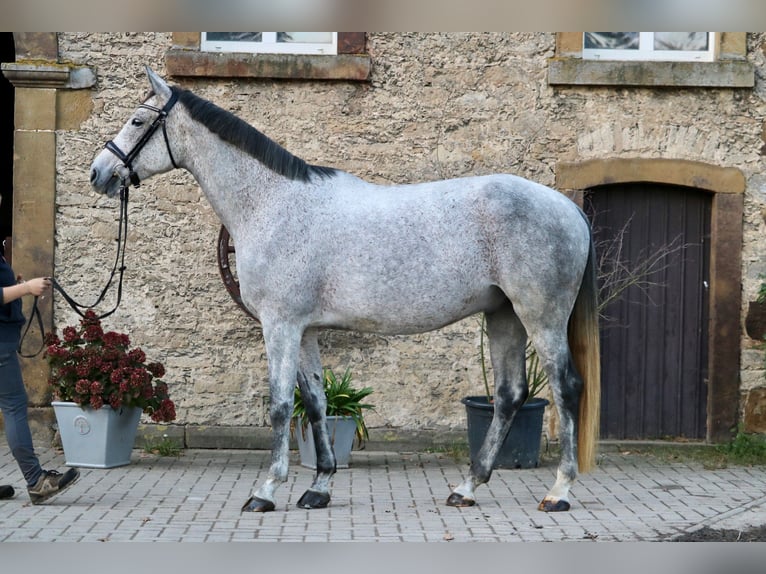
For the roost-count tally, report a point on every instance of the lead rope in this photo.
(34, 314)
(79, 308)
(122, 238)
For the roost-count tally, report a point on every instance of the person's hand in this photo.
(38, 286)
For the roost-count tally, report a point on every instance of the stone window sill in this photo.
(285, 66)
(720, 74)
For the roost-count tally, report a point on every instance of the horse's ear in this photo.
(159, 86)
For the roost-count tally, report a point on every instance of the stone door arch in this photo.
(726, 186)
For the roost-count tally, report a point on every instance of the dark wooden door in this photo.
(654, 336)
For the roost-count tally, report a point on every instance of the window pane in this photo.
(234, 36)
(693, 41)
(305, 37)
(611, 40)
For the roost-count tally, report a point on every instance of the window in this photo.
(657, 46)
(271, 42)
(653, 59)
(282, 55)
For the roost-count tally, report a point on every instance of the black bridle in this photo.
(127, 158)
(122, 235)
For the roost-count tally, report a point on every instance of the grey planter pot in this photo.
(342, 433)
(101, 438)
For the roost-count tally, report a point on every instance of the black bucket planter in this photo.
(521, 448)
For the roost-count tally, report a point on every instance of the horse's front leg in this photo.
(282, 349)
(312, 392)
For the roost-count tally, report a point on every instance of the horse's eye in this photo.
(137, 122)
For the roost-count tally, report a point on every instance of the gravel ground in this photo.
(707, 534)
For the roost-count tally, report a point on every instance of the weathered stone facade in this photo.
(435, 106)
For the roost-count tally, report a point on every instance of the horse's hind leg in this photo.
(507, 342)
(312, 391)
(566, 386)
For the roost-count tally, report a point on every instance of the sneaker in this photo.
(50, 483)
(6, 491)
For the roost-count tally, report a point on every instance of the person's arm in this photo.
(36, 287)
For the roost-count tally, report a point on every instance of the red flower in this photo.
(166, 412)
(112, 339)
(137, 355)
(115, 401)
(95, 368)
(156, 369)
(51, 339)
(93, 333)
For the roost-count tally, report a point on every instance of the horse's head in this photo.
(138, 151)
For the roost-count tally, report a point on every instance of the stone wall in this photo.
(437, 106)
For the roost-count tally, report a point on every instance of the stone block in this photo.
(754, 420)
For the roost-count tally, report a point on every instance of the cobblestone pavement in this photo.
(382, 497)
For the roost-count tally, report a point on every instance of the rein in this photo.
(79, 308)
(119, 265)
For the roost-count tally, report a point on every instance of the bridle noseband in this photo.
(127, 158)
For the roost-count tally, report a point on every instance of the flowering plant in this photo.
(94, 368)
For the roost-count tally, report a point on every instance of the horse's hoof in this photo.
(554, 505)
(255, 504)
(459, 500)
(314, 499)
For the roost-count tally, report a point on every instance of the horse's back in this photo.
(413, 258)
(494, 222)
(505, 198)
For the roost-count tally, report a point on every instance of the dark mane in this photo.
(239, 133)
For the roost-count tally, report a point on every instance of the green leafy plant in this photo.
(163, 447)
(747, 449)
(343, 400)
(761, 296)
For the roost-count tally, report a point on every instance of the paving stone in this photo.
(383, 496)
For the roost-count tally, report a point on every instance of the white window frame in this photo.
(269, 45)
(646, 51)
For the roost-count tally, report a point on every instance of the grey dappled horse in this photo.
(320, 248)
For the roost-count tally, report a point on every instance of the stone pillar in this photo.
(34, 184)
(37, 78)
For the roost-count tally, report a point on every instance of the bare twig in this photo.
(616, 274)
